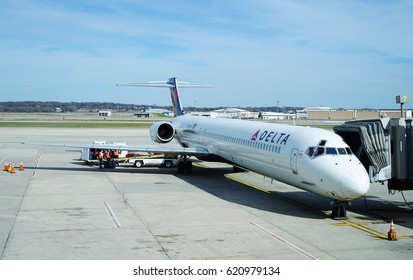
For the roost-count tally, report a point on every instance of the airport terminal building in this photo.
(311, 113)
(326, 113)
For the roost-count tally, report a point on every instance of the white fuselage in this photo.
(312, 159)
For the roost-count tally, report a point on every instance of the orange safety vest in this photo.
(115, 154)
(108, 154)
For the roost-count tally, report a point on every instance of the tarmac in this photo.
(58, 208)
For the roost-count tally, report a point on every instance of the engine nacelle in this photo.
(162, 132)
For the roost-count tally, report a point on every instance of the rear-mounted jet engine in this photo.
(162, 132)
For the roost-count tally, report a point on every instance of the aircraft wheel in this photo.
(188, 166)
(334, 213)
(343, 212)
(339, 211)
(181, 167)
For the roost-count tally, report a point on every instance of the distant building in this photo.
(314, 112)
(142, 115)
(200, 114)
(326, 113)
(233, 113)
(276, 116)
(105, 113)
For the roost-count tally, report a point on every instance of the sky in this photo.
(342, 54)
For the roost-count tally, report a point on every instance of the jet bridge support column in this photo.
(398, 149)
(409, 143)
(401, 155)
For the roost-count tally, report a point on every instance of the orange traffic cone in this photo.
(12, 169)
(6, 166)
(21, 168)
(391, 235)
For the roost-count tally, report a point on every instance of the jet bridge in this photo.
(385, 148)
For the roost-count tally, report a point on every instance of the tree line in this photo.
(52, 106)
(67, 107)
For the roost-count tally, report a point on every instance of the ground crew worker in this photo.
(6, 166)
(115, 153)
(107, 155)
(100, 157)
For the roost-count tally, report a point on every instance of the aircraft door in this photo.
(294, 160)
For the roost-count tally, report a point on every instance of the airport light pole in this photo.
(401, 99)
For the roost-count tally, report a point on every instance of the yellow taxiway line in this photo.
(377, 234)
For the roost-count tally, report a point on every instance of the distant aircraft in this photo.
(312, 159)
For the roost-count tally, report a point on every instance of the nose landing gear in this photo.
(338, 211)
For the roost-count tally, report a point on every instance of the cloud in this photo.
(303, 53)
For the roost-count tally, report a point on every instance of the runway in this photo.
(61, 209)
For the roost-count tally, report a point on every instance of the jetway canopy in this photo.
(385, 148)
(368, 140)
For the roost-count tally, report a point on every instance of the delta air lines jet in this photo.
(312, 159)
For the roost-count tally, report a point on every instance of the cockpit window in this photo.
(321, 149)
(342, 151)
(310, 151)
(331, 151)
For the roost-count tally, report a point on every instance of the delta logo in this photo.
(254, 137)
(271, 137)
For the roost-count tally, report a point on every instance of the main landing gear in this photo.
(339, 210)
(184, 165)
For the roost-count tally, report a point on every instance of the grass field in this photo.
(90, 120)
(75, 120)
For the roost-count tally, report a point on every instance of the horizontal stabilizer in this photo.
(173, 84)
(166, 84)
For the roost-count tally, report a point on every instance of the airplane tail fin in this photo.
(172, 84)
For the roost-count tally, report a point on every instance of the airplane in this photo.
(312, 159)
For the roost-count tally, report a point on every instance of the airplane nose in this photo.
(354, 183)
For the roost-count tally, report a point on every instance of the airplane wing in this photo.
(148, 149)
